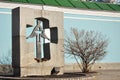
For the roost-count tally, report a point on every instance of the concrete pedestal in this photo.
(23, 60)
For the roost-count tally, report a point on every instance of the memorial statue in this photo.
(49, 59)
(38, 32)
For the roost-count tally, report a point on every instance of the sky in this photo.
(109, 26)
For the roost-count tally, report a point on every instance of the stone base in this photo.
(33, 78)
(66, 76)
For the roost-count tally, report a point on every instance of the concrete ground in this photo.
(98, 75)
(108, 75)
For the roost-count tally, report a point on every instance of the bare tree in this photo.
(88, 46)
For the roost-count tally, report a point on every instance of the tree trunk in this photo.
(85, 68)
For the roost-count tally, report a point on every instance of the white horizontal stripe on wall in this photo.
(5, 12)
(78, 18)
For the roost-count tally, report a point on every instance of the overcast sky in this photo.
(109, 26)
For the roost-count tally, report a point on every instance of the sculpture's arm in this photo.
(43, 35)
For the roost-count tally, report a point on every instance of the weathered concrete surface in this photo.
(23, 52)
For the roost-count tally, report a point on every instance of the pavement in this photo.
(108, 75)
(98, 75)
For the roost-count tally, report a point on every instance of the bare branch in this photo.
(89, 46)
